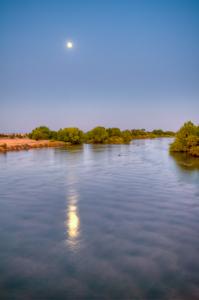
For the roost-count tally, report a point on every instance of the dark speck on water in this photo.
(99, 222)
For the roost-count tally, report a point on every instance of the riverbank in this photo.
(17, 144)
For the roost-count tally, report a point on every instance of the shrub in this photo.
(40, 133)
(97, 135)
(126, 135)
(71, 135)
(187, 139)
(113, 132)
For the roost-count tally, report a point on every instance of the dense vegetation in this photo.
(98, 135)
(101, 135)
(187, 139)
(143, 134)
(68, 135)
(41, 133)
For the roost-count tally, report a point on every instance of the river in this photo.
(99, 222)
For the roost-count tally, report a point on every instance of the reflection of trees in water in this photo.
(74, 148)
(185, 161)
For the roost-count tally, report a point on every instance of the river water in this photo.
(99, 222)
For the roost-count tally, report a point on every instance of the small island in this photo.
(44, 137)
(187, 140)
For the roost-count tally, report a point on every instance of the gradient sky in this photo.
(135, 63)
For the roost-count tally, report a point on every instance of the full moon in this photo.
(69, 44)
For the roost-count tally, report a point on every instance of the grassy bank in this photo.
(17, 144)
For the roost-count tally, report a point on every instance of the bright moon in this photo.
(69, 45)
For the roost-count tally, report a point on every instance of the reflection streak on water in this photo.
(72, 215)
(73, 221)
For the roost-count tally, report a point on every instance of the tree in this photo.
(126, 135)
(71, 135)
(112, 132)
(139, 133)
(158, 132)
(97, 135)
(187, 139)
(40, 133)
(53, 135)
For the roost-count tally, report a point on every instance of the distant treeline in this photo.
(187, 139)
(13, 135)
(98, 135)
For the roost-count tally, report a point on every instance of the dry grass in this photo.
(26, 144)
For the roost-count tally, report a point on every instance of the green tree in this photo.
(40, 133)
(126, 135)
(187, 139)
(53, 135)
(97, 135)
(71, 135)
(114, 132)
(158, 132)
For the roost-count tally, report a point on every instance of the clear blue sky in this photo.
(135, 64)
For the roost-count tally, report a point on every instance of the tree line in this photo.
(98, 135)
(13, 135)
(187, 139)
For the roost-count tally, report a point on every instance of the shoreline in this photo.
(18, 144)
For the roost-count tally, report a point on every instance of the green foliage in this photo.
(126, 135)
(101, 135)
(40, 133)
(71, 135)
(136, 133)
(97, 135)
(114, 132)
(115, 140)
(143, 134)
(159, 132)
(187, 139)
(53, 135)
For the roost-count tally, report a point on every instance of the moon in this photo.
(69, 44)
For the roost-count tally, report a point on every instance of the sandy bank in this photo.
(26, 144)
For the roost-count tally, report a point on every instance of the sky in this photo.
(135, 64)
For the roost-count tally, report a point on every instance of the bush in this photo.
(71, 135)
(113, 132)
(53, 135)
(97, 135)
(40, 133)
(126, 135)
(187, 139)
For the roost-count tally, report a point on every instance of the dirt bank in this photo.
(26, 144)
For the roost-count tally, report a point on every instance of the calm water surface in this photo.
(99, 222)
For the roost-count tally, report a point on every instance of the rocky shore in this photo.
(26, 144)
